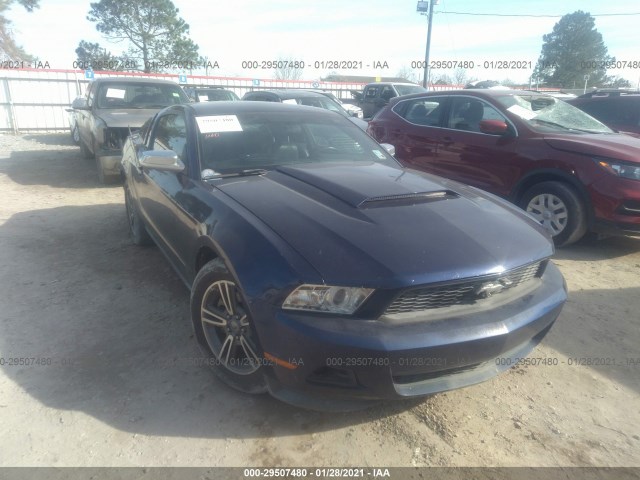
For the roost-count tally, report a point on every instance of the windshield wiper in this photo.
(241, 173)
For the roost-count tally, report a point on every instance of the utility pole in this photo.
(422, 8)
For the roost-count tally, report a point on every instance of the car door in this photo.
(370, 96)
(468, 155)
(169, 202)
(416, 136)
(83, 117)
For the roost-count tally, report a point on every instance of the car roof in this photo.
(232, 108)
(394, 83)
(478, 92)
(287, 94)
(133, 80)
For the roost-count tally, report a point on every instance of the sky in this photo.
(377, 37)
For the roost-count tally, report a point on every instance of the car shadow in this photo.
(108, 324)
(54, 139)
(63, 168)
(592, 248)
(106, 328)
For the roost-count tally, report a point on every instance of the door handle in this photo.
(447, 140)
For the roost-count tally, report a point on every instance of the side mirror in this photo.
(165, 160)
(80, 103)
(391, 150)
(136, 139)
(493, 127)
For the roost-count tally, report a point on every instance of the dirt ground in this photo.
(117, 382)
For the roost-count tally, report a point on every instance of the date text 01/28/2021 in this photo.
(325, 472)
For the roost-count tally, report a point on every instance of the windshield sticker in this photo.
(379, 154)
(203, 98)
(115, 93)
(175, 94)
(291, 101)
(219, 123)
(522, 112)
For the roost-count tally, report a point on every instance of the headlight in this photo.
(621, 169)
(322, 298)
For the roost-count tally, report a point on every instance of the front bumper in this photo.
(110, 161)
(616, 206)
(338, 363)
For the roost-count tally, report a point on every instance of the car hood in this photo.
(131, 117)
(356, 225)
(612, 145)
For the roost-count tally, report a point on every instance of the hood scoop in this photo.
(406, 199)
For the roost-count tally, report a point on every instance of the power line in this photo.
(534, 16)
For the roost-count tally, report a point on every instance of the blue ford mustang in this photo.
(321, 270)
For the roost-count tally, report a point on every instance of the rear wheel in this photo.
(559, 209)
(224, 329)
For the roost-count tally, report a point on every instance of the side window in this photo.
(603, 111)
(423, 111)
(387, 93)
(467, 113)
(171, 134)
(90, 94)
(372, 92)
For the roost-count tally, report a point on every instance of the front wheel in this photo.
(224, 329)
(75, 134)
(559, 209)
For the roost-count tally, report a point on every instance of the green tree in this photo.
(9, 50)
(573, 50)
(99, 58)
(156, 36)
(617, 82)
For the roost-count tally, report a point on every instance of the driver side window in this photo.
(467, 113)
(171, 134)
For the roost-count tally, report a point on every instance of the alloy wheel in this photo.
(227, 329)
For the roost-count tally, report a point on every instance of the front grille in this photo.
(467, 292)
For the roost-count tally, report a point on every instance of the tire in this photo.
(137, 229)
(559, 208)
(75, 135)
(224, 329)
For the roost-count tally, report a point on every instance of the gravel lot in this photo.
(118, 382)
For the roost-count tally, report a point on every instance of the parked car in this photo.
(114, 107)
(618, 109)
(376, 95)
(303, 97)
(210, 94)
(324, 272)
(568, 170)
(352, 109)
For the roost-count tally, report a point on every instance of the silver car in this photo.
(114, 107)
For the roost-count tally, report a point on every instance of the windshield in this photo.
(216, 95)
(548, 114)
(320, 102)
(140, 95)
(409, 89)
(234, 143)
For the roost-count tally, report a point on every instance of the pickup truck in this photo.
(376, 95)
